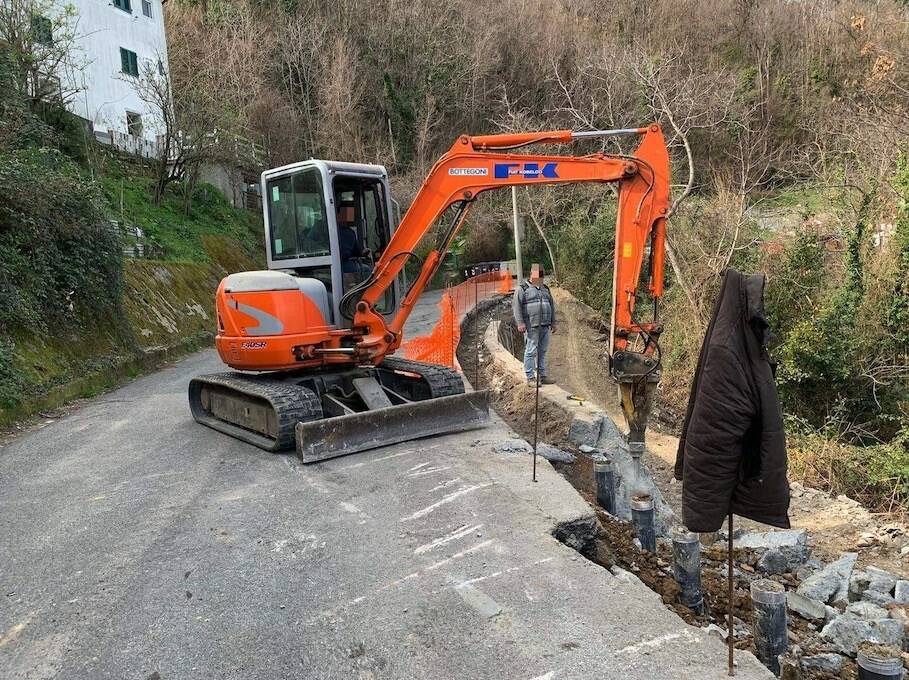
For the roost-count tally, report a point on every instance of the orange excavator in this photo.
(312, 338)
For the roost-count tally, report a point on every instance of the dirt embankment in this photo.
(167, 311)
(577, 360)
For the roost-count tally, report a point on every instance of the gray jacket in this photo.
(533, 306)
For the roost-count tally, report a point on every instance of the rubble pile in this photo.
(856, 596)
(833, 608)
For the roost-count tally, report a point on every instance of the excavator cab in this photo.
(329, 221)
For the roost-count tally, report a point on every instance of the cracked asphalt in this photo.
(135, 543)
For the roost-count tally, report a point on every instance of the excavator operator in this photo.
(351, 249)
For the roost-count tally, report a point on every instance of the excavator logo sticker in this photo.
(528, 170)
(268, 324)
(468, 171)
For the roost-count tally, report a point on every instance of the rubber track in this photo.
(291, 403)
(442, 381)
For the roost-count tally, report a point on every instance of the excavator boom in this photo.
(333, 386)
(474, 165)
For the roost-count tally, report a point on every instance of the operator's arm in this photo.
(517, 308)
(552, 306)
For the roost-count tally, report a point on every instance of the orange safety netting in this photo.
(441, 345)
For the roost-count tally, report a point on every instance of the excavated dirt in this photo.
(576, 362)
(513, 401)
(834, 524)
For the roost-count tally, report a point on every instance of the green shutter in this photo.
(42, 30)
(129, 62)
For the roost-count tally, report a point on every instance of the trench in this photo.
(610, 543)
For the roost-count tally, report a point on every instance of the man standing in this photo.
(534, 313)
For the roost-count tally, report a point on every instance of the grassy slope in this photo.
(167, 305)
(178, 234)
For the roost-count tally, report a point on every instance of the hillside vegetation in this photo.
(788, 124)
(75, 315)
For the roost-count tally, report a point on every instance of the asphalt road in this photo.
(135, 543)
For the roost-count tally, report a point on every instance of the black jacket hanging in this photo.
(732, 451)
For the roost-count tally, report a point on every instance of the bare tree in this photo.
(301, 41)
(676, 94)
(188, 134)
(341, 100)
(41, 39)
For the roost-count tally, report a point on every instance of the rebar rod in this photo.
(536, 402)
(730, 636)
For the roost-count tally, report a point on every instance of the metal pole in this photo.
(605, 484)
(730, 635)
(768, 616)
(642, 517)
(686, 567)
(517, 233)
(879, 662)
(453, 322)
(536, 402)
(476, 337)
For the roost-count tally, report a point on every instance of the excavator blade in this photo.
(332, 437)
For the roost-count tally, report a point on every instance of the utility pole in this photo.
(517, 233)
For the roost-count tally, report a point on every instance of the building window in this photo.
(129, 63)
(42, 30)
(134, 124)
(124, 5)
(146, 8)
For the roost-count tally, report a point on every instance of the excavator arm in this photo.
(481, 163)
(475, 164)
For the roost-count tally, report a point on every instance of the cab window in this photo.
(296, 213)
(362, 210)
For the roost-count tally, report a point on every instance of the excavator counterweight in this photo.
(314, 335)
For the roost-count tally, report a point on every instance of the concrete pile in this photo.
(843, 607)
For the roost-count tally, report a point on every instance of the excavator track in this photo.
(253, 409)
(275, 411)
(441, 380)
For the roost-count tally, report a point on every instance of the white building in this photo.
(117, 39)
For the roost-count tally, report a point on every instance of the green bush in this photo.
(11, 380)
(876, 475)
(896, 307)
(585, 253)
(60, 263)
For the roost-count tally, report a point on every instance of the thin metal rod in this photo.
(476, 336)
(536, 402)
(730, 637)
(453, 322)
(621, 132)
